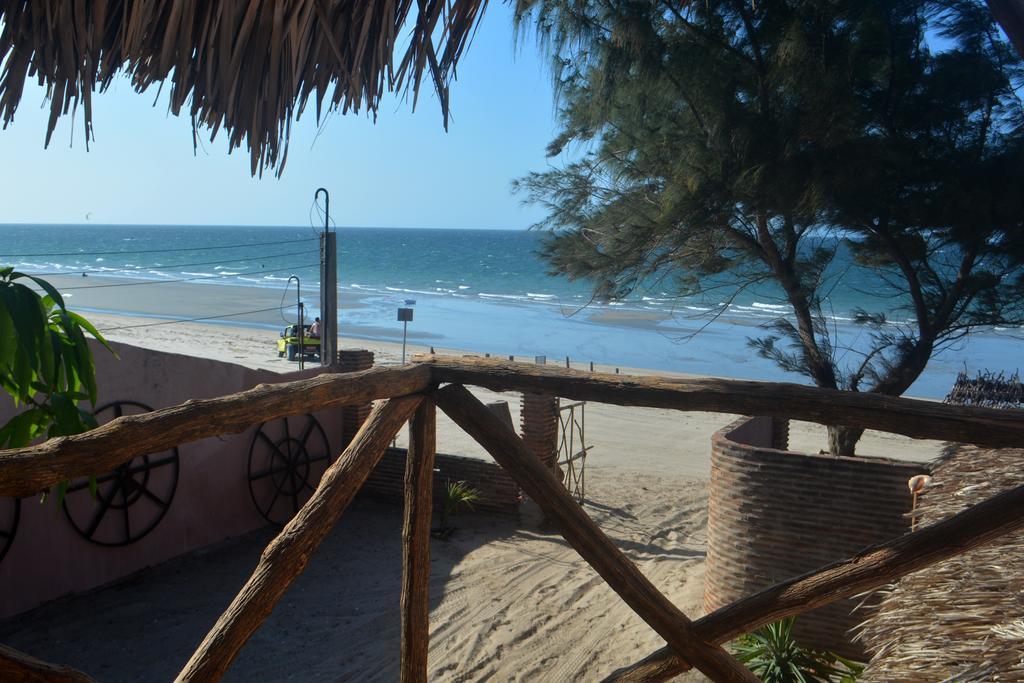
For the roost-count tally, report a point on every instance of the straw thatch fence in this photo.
(961, 619)
(412, 392)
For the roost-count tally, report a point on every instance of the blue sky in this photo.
(403, 171)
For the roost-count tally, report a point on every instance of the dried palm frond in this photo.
(959, 619)
(248, 66)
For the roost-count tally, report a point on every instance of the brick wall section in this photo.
(353, 360)
(498, 493)
(774, 514)
(780, 434)
(538, 422)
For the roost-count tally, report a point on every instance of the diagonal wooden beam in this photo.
(991, 427)
(287, 555)
(18, 666)
(415, 602)
(873, 567)
(590, 542)
(27, 471)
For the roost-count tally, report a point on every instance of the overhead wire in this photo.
(158, 251)
(321, 215)
(263, 271)
(280, 308)
(76, 271)
(190, 279)
(186, 320)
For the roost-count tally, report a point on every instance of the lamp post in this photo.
(404, 317)
(328, 285)
(298, 305)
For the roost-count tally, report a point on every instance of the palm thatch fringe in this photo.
(962, 619)
(248, 66)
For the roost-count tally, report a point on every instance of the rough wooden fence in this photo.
(412, 393)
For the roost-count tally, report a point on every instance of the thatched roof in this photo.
(962, 619)
(988, 389)
(247, 66)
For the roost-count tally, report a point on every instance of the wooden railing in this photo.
(412, 392)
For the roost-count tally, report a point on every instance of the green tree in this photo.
(734, 145)
(46, 365)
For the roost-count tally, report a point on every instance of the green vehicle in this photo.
(288, 344)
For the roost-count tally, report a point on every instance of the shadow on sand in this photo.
(338, 621)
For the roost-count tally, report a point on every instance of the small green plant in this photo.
(458, 496)
(774, 656)
(45, 362)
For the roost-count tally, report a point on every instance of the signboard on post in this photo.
(404, 317)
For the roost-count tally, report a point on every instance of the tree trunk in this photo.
(843, 440)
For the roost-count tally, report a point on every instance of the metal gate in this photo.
(572, 448)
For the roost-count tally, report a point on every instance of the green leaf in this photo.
(25, 311)
(67, 420)
(84, 367)
(22, 374)
(8, 337)
(91, 329)
(23, 428)
(50, 290)
(60, 490)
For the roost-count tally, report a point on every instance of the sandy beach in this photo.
(510, 599)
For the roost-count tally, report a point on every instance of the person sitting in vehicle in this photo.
(314, 329)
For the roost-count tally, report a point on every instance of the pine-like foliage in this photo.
(724, 145)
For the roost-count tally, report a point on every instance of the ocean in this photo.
(480, 290)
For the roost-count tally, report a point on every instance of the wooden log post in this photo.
(287, 555)
(415, 602)
(27, 471)
(586, 537)
(873, 567)
(18, 666)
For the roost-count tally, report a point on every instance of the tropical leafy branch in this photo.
(46, 365)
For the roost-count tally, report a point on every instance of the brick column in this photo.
(352, 417)
(538, 421)
(780, 433)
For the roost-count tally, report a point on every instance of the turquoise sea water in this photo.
(483, 290)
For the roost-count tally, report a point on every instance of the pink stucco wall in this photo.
(48, 558)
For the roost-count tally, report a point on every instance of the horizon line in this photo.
(247, 225)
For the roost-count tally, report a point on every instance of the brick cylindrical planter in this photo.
(775, 514)
(353, 417)
(538, 420)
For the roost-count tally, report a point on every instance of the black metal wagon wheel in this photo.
(287, 457)
(129, 502)
(10, 513)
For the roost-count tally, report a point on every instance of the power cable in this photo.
(189, 279)
(280, 309)
(321, 214)
(185, 320)
(178, 265)
(157, 251)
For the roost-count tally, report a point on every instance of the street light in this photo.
(298, 305)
